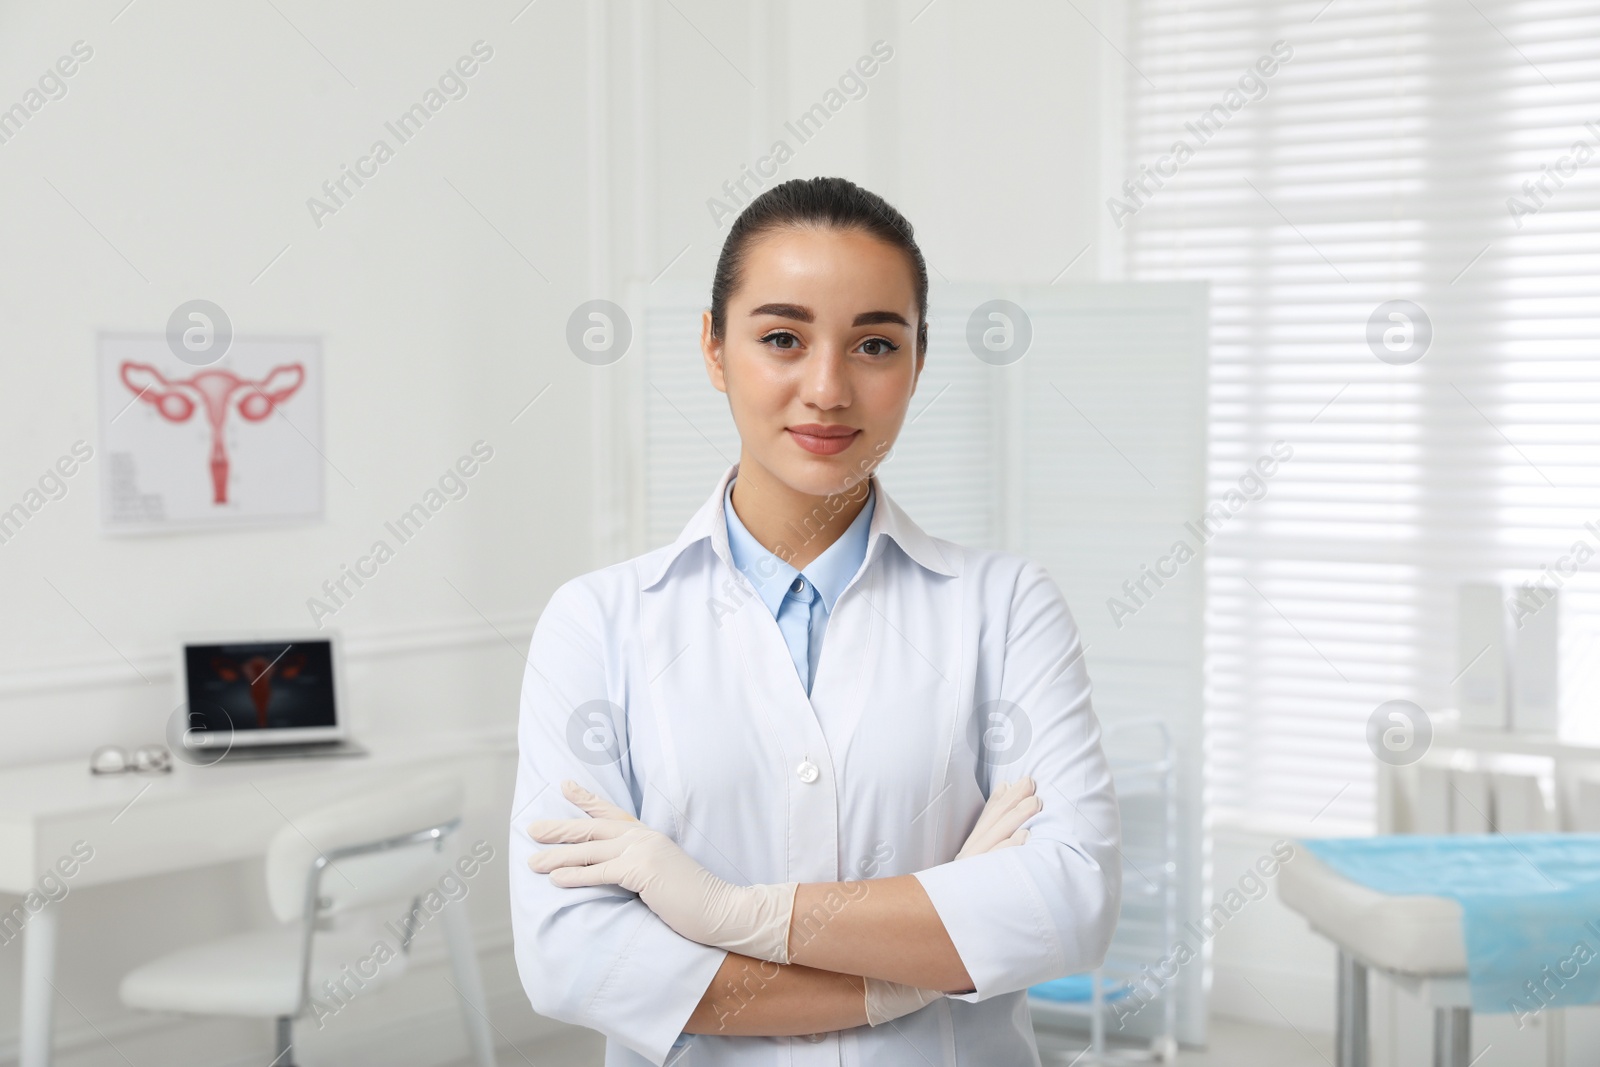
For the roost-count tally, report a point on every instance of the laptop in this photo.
(262, 698)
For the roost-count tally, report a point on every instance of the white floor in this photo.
(1233, 1044)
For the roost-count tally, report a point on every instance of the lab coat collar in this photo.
(888, 522)
(829, 573)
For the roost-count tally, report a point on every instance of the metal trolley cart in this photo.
(1147, 796)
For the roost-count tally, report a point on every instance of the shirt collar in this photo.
(830, 572)
(889, 523)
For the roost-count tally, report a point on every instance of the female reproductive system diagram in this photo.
(234, 443)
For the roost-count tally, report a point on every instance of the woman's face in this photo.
(819, 356)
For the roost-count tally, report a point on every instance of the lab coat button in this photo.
(807, 771)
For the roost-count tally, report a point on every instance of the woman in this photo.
(784, 854)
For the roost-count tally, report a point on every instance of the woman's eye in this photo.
(781, 339)
(878, 346)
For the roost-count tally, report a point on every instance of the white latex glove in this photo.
(598, 807)
(617, 849)
(999, 826)
(1000, 822)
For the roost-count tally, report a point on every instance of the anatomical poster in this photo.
(209, 441)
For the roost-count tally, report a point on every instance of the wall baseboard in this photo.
(1306, 1001)
(1268, 966)
(92, 672)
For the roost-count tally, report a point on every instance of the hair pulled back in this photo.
(822, 203)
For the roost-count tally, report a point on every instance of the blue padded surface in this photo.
(1077, 989)
(1530, 906)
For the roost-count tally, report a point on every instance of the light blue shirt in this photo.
(801, 601)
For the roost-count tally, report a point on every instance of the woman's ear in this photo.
(711, 351)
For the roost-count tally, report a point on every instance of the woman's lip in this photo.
(823, 446)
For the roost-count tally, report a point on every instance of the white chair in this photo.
(381, 846)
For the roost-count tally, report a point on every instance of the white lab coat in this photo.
(664, 684)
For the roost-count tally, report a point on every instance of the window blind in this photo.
(1442, 153)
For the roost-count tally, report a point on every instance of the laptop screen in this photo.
(252, 690)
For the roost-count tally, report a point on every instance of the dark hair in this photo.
(824, 203)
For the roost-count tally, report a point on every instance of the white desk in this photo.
(140, 825)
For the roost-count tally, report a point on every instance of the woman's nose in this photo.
(826, 381)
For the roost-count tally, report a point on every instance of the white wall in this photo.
(178, 166)
(190, 141)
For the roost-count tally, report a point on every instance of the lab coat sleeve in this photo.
(1046, 908)
(592, 956)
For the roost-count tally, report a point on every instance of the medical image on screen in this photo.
(260, 686)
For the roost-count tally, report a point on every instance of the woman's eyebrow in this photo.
(785, 311)
(803, 314)
(873, 318)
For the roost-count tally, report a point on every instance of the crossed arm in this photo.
(754, 998)
(822, 956)
(890, 931)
